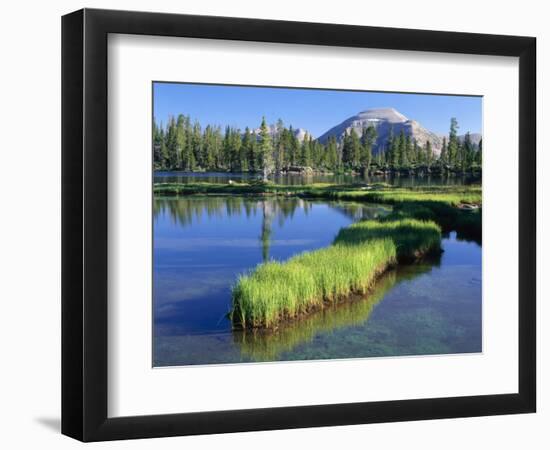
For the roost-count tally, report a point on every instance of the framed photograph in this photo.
(273, 224)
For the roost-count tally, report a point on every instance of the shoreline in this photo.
(305, 172)
(453, 208)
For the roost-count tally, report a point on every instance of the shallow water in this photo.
(201, 245)
(224, 177)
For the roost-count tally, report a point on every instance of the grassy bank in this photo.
(276, 291)
(379, 192)
(236, 188)
(441, 204)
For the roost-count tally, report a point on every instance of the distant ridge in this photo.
(474, 137)
(299, 133)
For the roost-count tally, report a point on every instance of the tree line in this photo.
(186, 145)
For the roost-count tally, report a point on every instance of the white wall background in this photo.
(30, 223)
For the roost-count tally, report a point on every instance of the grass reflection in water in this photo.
(262, 345)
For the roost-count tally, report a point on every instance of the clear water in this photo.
(201, 245)
(224, 177)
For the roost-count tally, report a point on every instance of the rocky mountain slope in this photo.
(386, 121)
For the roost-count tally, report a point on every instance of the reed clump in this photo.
(268, 344)
(412, 238)
(279, 291)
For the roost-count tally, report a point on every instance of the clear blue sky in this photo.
(312, 109)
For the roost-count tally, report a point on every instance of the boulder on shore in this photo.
(299, 169)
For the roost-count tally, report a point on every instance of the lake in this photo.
(286, 179)
(202, 244)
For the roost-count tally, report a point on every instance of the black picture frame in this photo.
(84, 224)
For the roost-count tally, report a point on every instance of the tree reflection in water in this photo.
(188, 210)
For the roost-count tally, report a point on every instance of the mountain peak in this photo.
(387, 114)
(387, 121)
(301, 133)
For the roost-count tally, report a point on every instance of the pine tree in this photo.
(294, 150)
(402, 151)
(232, 149)
(265, 150)
(249, 150)
(208, 148)
(381, 159)
(429, 154)
(286, 146)
(452, 148)
(332, 154)
(172, 161)
(351, 150)
(394, 152)
(220, 162)
(443, 157)
(181, 143)
(411, 157)
(158, 142)
(420, 156)
(347, 151)
(197, 144)
(319, 154)
(468, 152)
(279, 145)
(355, 149)
(227, 149)
(164, 155)
(479, 156)
(190, 163)
(367, 140)
(305, 153)
(388, 156)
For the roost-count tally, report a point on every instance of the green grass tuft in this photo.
(412, 238)
(268, 344)
(278, 291)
